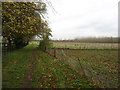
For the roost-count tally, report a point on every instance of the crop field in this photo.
(103, 62)
(79, 45)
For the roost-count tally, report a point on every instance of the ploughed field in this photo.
(99, 61)
(104, 64)
(79, 45)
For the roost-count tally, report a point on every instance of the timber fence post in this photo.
(54, 52)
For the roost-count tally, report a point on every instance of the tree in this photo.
(44, 35)
(20, 21)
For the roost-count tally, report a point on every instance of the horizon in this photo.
(37, 38)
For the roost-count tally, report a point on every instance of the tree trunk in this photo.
(9, 44)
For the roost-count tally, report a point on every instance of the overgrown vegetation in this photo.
(45, 42)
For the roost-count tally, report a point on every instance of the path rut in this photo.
(28, 76)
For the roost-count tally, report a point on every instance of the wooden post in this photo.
(65, 46)
(3, 48)
(54, 52)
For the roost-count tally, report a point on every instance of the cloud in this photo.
(83, 18)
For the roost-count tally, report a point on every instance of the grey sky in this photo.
(83, 18)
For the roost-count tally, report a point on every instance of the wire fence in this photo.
(88, 71)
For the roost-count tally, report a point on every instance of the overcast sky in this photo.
(83, 18)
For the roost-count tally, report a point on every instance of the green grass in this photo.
(48, 72)
(14, 67)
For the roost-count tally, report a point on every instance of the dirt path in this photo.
(28, 76)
